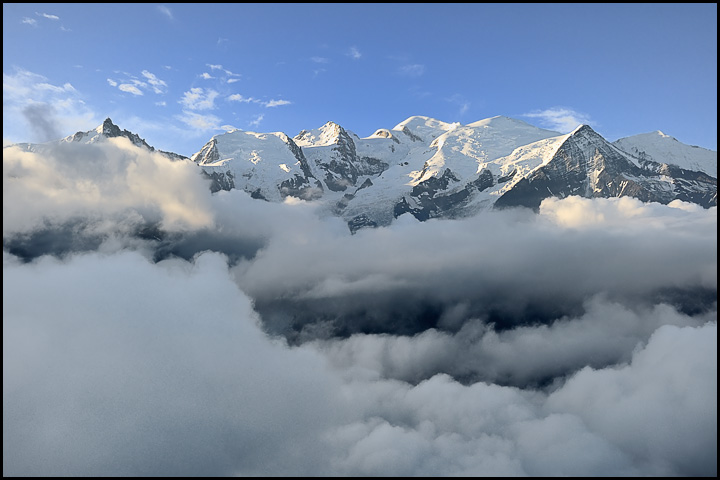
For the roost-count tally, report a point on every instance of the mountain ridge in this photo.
(433, 169)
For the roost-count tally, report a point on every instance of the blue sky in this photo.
(177, 74)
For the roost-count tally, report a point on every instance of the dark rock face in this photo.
(588, 166)
(361, 221)
(435, 197)
(111, 130)
(208, 153)
(299, 187)
(220, 181)
(485, 180)
(344, 166)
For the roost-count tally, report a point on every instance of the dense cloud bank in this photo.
(151, 328)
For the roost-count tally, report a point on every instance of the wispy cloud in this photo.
(562, 119)
(131, 84)
(166, 11)
(412, 70)
(256, 122)
(461, 102)
(158, 85)
(277, 103)
(130, 88)
(199, 99)
(236, 97)
(200, 122)
(35, 109)
(225, 75)
(354, 53)
(320, 60)
(29, 21)
(48, 16)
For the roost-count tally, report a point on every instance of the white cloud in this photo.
(233, 80)
(632, 379)
(206, 76)
(129, 88)
(48, 16)
(29, 21)
(236, 97)
(276, 103)
(461, 102)
(198, 122)
(320, 59)
(199, 99)
(354, 53)
(255, 123)
(158, 85)
(111, 181)
(165, 11)
(214, 67)
(112, 82)
(412, 70)
(36, 110)
(54, 88)
(561, 119)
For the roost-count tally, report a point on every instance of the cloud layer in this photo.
(151, 328)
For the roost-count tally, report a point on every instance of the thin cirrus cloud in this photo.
(256, 121)
(135, 86)
(276, 103)
(166, 11)
(354, 53)
(199, 99)
(224, 74)
(200, 123)
(412, 70)
(561, 119)
(130, 88)
(158, 86)
(236, 97)
(462, 103)
(48, 16)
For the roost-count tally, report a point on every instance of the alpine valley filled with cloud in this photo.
(489, 298)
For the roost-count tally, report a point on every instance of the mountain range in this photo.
(432, 169)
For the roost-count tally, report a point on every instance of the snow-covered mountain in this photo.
(429, 168)
(107, 130)
(432, 169)
(656, 147)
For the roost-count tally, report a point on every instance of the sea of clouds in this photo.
(153, 328)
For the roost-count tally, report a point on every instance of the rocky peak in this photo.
(109, 129)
